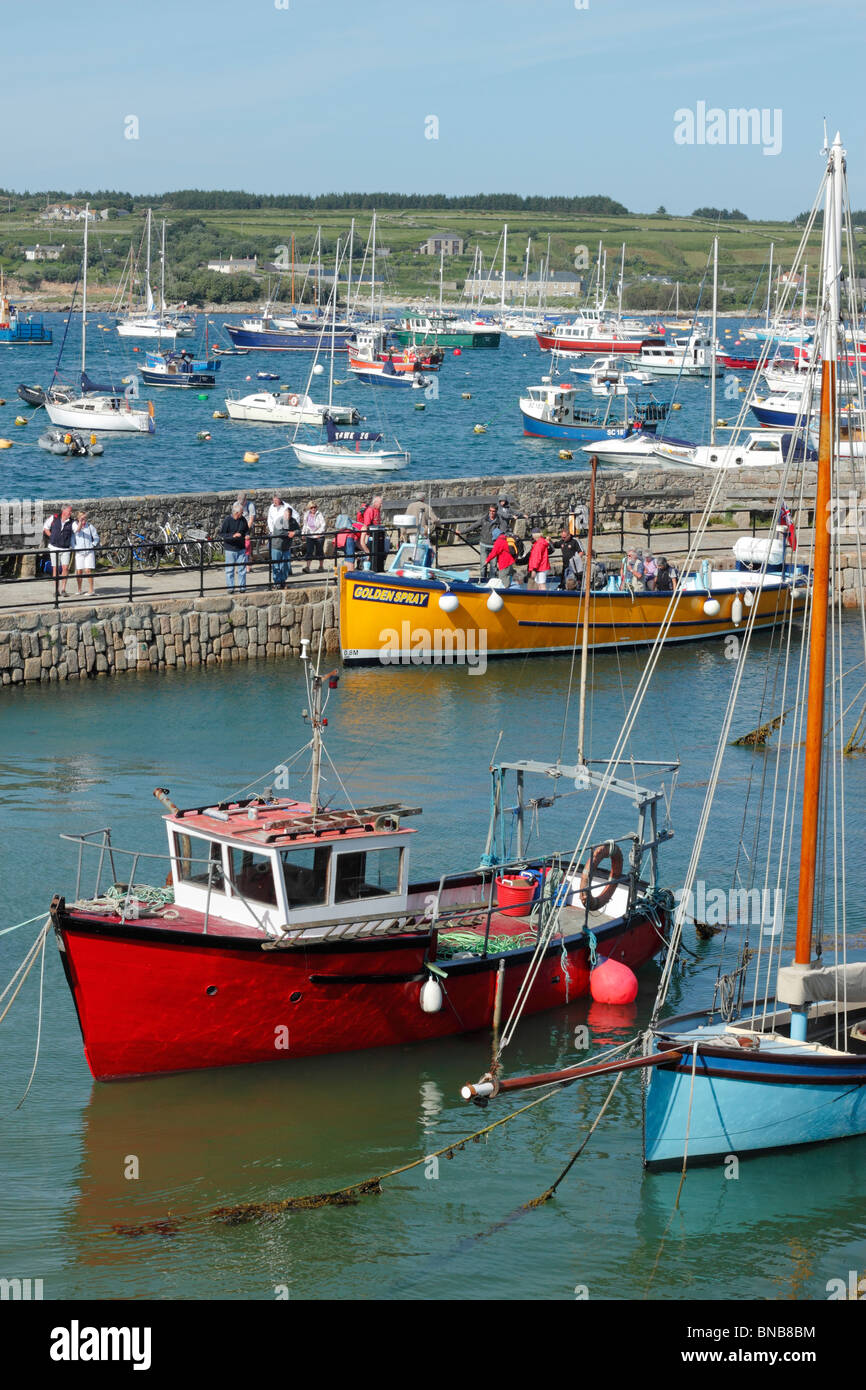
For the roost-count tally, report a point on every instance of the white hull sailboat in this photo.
(97, 409)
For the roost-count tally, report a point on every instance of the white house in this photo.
(43, 253)
(235, 265)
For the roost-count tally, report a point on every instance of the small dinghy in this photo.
(32, 395)
(71, 443)
(268, 376)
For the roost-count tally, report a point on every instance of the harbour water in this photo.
(85, 756)
(441, 438)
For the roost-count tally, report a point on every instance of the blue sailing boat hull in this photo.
(747, 1101)
(284, 339)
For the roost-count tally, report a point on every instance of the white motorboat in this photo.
(690, 355)
(286, 408)
(759, 449)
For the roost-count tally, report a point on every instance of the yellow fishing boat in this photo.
(414, 615)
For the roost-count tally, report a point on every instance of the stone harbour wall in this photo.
(87, 641)
(535, 494)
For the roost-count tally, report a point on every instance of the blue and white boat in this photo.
(178, 369)
(549, 411)
(790, 1067)
(269, 333)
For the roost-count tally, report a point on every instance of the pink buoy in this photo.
(611, 982)
(457, 352)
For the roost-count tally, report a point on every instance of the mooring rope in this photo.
(24, 969)
(243, 1212)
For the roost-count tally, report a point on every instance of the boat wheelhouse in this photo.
(685, 356)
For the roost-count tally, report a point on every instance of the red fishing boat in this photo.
(287, 929)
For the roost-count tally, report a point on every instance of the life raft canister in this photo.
(594, 900)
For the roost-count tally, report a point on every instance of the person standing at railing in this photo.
(282, 528)
(85, 541)
(313, 529)
(248, 509)
(490, 529)
(58, 529)
(233, 534)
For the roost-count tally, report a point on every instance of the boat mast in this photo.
(349, 274)
(526, 278)
(621, 279)
(147, 273)
(831, 271)
(293, 271)
(441, 271)
(84, 295)
(584, 645)
(333, 326)
(769, 289)
(504, 265)
(713, 332)
(373, 269)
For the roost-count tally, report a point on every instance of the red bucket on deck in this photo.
(514, 895)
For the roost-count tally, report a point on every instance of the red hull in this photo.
(150, 1000)
(547, 342)
(743, 364)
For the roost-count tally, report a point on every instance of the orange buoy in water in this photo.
(611, 982)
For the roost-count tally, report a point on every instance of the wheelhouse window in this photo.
(305, 874)
(252, 876)
(199, 861)
(370, 873)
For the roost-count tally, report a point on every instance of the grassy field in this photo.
(661, 246)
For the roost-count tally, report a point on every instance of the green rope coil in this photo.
(463, 942)
(142, 892)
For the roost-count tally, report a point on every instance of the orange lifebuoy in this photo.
(610, 851)
(293, 400)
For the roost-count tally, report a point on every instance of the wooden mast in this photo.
(820, 572)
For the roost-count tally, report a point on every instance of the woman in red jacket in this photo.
(503, 554)
(539, 559)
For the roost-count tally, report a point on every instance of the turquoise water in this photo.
(441, 438)
(84, 756)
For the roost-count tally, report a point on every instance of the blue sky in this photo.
(531, 96)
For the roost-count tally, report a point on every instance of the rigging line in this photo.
(610, 772)
(676, 935)
(278, 767)
(39, 1016)
(551, 1191)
